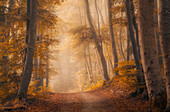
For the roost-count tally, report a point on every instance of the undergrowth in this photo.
(126, 80)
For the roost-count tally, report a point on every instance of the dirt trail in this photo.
(101, 100)
(80, 102)
(93, 103)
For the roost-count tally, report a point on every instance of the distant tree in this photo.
(47, 67)
(128, 45)
(153, 76)
(165, 43)
(112, 38)
(97, 42)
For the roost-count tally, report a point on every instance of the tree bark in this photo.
(97, 43)
(47, 67)
(88, 66)
(157, 37)
(165, 43)
(35, 71)
(120, 37)
(140, 78)
(153, 77)
(128, 43)
(41, 74)
(28, 27)
(113, 44)
(90, 63)
(135, 25)
(26, 74)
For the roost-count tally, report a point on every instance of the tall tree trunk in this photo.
(41, 68)
(97, 43)
(128, 43)
(47, 74)
(120, 37)
(47, 67)
(41, 74)
(35, 70)
(28, 27)
(98, 19)
(35, 75)
(90, 62)
(157, 34)
(88, 65)
(135, 25)
(113, 44)
(153, 77)
(165, 43)
(140, 77)
(98, 61)
(26, 74)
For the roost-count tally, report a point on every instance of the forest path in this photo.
(74, 102)
(100, 100)
(94, 103)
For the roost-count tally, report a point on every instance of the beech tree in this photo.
(97, 42)
(134, 46)
(113, 44)
(153, 77)
(27, 71)
(165, 44)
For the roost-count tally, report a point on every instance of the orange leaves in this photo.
(95, 86)
(127, 75)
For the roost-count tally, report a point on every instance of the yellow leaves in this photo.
(32, 92)
(95, 86)
(8, 87)
(127, 75)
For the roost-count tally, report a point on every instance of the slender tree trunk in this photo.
(153, 77)
(98, 19)
(113, 44)
(35, 75)
(109, 58)
(28, 27)
(99, 62)
(120, 37)
(128, 43)
(47, 73)
(140, 78)
(90, 63)
(165, 43)
(26, 74)
(157, 35)
(41, 70)
(135, 25)
(41, 74)
(97, 43)
(89, 66)
(47, 67)
(35, 70)
(102, 19)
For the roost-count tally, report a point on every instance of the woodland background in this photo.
(85, 45)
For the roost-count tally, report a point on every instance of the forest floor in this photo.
(99, 100)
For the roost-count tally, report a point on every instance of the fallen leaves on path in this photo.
(100, 100)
